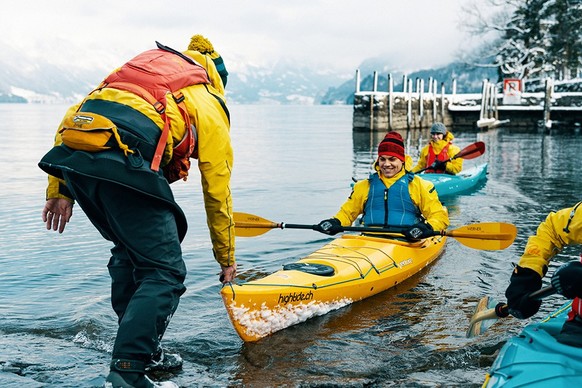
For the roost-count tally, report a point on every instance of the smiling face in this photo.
(436, 137)
(389, 165)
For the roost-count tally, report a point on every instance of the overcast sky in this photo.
(326, 33)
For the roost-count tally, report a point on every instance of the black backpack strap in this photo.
(184, 57)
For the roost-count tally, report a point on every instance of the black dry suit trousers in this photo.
(146, 265)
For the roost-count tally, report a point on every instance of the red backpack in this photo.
(152, 75)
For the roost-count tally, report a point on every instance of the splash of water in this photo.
(260, 323)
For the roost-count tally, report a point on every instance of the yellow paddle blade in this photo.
(485, 235)
(250, 225)
(483, 317)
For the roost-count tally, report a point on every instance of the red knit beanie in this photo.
(392, 145)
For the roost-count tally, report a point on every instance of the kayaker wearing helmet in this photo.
(392, 196)
(434, 156)
(559, 229)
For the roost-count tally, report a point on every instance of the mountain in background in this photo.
(469, 79)
(25, 79)
(284, 83)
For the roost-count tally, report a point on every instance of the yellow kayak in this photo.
(346, 270)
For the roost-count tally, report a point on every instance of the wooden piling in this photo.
(420, 102)
(548, 103)
(409, 104)
(434, 101)
(496, 103)
(390, 100)
(442, 101)
(484, 89)
(492, 102)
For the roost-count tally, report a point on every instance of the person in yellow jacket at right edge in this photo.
(559, 229)
(115, 154)
(434, 156)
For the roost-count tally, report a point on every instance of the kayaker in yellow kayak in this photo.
(559, 229)
(434, 157)
(392, 196)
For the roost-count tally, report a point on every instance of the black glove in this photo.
(330, 226)
(418, 231)
(523, 282)
(438, 165)
(567, 280)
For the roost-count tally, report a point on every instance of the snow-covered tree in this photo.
(528, 38)
(523, 50)
(565, 37)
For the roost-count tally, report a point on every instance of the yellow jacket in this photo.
(453, 167)
(422, 193)
(551, 238)
(215, 154)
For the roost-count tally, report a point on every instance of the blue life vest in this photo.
(390, 207)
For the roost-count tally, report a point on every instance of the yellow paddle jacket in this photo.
(422, 193)
(453, 167)
(215, 154)
(560, 228)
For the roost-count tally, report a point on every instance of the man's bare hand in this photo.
(56, 213)
(228, 274)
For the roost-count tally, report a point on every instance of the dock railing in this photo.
(417, 106)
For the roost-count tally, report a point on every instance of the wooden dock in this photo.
(417, 107)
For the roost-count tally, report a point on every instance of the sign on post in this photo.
(511, 91)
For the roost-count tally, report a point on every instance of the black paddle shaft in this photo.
(363, 229)
(502, 310)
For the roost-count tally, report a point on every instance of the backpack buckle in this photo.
(178, 97)
(159, 107)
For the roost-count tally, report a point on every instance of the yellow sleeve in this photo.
(215, 162)
(57, 188)
(454, 166)
(550, 238)
(421, 160)
(354, 205)
(426, 198)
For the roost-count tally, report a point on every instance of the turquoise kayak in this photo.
(535, 359)
(462, 183)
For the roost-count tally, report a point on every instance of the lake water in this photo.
(293, 164)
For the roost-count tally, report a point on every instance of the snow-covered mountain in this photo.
(286, 82)
(26, 78)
